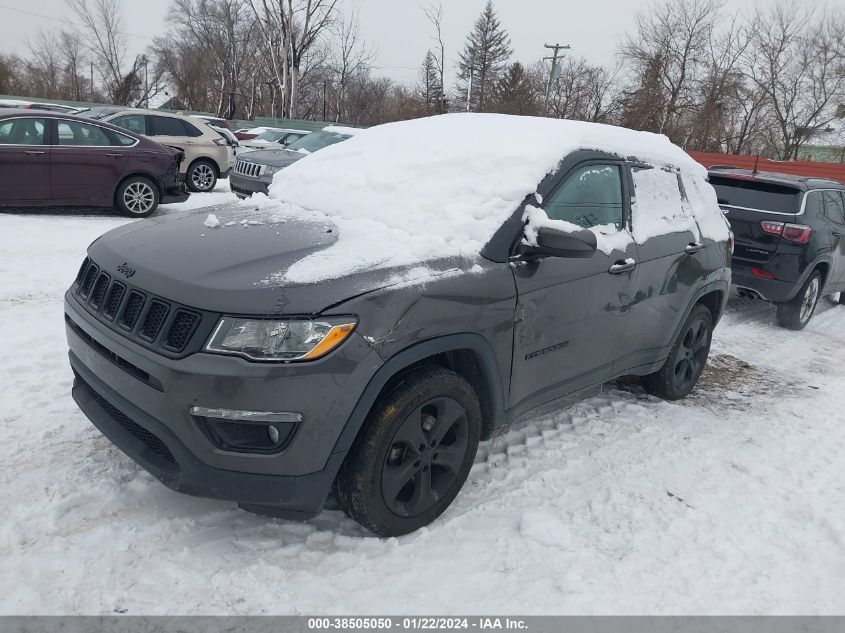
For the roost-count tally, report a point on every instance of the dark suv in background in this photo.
(790, 248)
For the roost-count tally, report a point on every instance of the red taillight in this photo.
(759, 272)
(797, 233)
(772, 228)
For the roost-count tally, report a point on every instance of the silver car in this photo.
(254, 171)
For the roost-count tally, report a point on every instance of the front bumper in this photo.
(244, 187)
(150, 420)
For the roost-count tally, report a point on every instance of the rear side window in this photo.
(758, 196)
(26, 131)
(660, 204)
(833, 206)
(132, 122)
(591, 196)
(82, 134)
(190, 128)
(167, 126)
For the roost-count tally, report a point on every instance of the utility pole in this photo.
(557, 48)
(146, 84)
(469, 87)
(92, 81)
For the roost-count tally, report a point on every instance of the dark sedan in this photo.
(51, 159)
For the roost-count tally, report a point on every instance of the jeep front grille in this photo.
(149, 320)
(245, 168)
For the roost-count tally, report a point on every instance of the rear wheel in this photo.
(842, 298)
(687, 359)
(201, 176)
(413, 454)
(137, 197)
(796, 314)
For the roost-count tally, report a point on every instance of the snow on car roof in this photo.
(441, 186)
(343, 129)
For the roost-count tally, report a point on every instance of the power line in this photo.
(63, 21)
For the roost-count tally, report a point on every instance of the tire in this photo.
(686, 361)
(413, 453)
(201, 176)
(796, 314)
(842, 298)
(137, 197)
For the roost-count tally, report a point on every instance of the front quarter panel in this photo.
(463, 305)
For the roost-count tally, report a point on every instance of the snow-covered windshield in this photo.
(317, 140)
(271, 136)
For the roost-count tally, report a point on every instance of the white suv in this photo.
(206, 151)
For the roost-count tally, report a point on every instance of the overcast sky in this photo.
(397, 28)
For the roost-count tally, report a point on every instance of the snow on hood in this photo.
(440, 186)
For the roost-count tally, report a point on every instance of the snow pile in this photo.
(211, 221)
(440, 186)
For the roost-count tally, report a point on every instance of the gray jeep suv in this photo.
(197, 352)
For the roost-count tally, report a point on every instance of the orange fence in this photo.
(809, 168)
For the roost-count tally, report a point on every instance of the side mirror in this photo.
(554, 242)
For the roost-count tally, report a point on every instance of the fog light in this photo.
(273, 434)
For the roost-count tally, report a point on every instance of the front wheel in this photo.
(796, 314)
(201, 176)
(137, 197)
(413, 454)
(687, 359)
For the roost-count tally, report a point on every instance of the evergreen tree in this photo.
(515, 93)
(643, 108)
(430, 90)
(486, 51)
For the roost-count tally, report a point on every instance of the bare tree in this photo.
(291, 28)
(350, 55)
(580, 90)
(798, 59)
(671, 42)
(434, 14)
(102, 32)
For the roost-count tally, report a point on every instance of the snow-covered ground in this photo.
(732, 501)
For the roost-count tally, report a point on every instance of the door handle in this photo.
(693, 247)
(622, 267)
(34, 152)
(114, 154)
(836, 233)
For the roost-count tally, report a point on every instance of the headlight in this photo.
(269, 170)
(265, 339)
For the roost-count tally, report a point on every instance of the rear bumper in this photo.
(768, 289)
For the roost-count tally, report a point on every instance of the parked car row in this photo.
(127, 155)
(206, 153)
